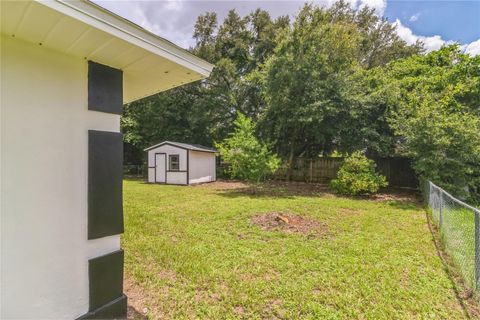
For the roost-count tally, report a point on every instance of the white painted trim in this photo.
(117, 26)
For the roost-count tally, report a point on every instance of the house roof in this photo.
(188, 146)
(150, 64)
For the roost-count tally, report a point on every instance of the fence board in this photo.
(398, 171)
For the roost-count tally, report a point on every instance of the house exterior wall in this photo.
(173, 177)
(44, 183)
(201, 167)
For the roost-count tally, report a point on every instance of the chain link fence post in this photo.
(440, 215)
(477, 249)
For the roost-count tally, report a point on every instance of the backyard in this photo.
(225, 250)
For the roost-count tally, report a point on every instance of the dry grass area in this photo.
(227, 250)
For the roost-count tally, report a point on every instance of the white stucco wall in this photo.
(44, 157)
(202, 167)
(172, 177)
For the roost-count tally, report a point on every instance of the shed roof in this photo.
(188, 146)
(150, 64)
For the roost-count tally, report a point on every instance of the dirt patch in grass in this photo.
(136, 300)
(168, 275)
(239, 310)
(273, 310)
(134, 314)
(289, 223)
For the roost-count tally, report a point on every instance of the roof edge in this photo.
(171, 143)
(107, 21)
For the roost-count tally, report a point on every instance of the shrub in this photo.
(247, 158)
(357, 176)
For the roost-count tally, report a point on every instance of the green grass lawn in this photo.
(193, 252)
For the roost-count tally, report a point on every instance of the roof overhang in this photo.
(150, 64)
(181, 146)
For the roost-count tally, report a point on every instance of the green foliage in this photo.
(324, 93)
(357, 176)
(335, 80)
(248, 159)
(436, 116)
(314, 82)
(204, 111)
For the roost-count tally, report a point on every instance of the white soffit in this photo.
(81, 28)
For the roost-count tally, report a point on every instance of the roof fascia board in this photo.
(177, 146)
(155, 146)
(119, 27)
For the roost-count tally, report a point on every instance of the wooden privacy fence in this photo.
(398, 171)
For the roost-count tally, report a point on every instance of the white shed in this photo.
(181, 163)
(67, 68)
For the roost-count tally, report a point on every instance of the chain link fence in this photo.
(134, 171)
(459, 226)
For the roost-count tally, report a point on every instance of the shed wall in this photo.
(202, 167)
(44, 174)
(178, 177)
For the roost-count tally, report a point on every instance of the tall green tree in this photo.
(436, 116)
(314, 82)
(204, 112)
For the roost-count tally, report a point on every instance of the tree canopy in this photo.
(331, 80)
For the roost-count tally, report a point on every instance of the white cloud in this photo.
(434, 42)
(473, 48)
(378, 5)
(175, 20)
(415, 17)
(431, 43)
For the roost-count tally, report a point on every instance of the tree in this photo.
(316, 108)
(436, 116)
(247, 158)
(204, 111)
(314, 83)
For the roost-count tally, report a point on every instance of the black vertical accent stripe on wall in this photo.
(105, 173)
(105, 88)
(105, 279)
(106, 298)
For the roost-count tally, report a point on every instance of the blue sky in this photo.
(452, 20)
(434, 22)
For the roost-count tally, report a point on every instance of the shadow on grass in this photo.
(405, 204)
(398, 198)
(274, 189)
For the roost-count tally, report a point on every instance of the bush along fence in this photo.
(459, 226)
(398, 171)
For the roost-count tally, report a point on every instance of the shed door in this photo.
(160, 167)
